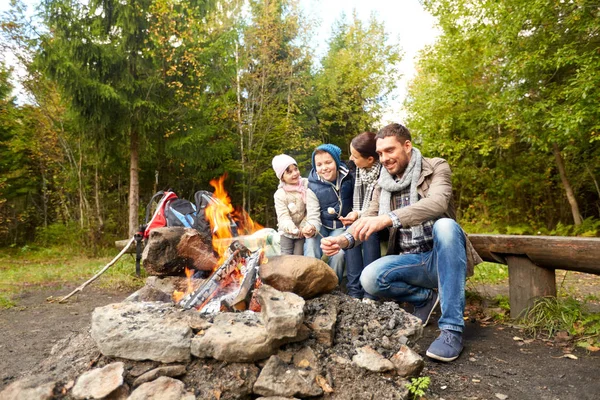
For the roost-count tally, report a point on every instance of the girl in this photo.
(291, 197)
(368, 168)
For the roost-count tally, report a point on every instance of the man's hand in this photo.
(366, 226)
(333, 244)
(350, 218)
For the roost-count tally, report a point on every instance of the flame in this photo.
(217, 214)
(246, 226)
(177, 295)
(220, 214)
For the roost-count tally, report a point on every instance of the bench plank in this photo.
(552, 252)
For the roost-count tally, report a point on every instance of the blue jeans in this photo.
(411, 277)
(356, 259)
(312, 248)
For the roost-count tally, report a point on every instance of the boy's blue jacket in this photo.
(340, 199)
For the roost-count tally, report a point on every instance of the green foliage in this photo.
(199, 88)
(503, 94)
(590, 227)
(503, 302)
(60, 234)
(490, 273)
(418, 386)
(550, 315)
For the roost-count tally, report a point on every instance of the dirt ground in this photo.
(499, 361)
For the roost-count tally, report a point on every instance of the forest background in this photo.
(130, 97)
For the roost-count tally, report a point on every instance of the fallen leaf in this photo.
(517, 338)
(571, 356)
(323, 383)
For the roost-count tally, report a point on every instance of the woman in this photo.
(368, 168)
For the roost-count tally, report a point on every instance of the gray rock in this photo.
(370, 359)
(323, 325)
(412, 329)
(100, 382)
(167, 284)
(308, 277)
(282, 312)
(277, 398)
(163, 388)
(231, 381)
(195, 320)
(121, 393)
(306, 357)
(278, 378)
(239, 337)
(148, 293)
(169, 370)
(142, 331)
(407, 362)
(33, 388)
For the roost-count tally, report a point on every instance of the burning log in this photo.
(242, 300)
(201, 296)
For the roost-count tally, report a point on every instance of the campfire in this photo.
(308, 340)
(231, 285)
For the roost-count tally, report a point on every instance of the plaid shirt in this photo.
(404, 238)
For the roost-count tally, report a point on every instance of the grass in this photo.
(490, 273)
(550, 315)
(31, 268)
(568, 312)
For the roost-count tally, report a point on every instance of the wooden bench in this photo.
(532, 261)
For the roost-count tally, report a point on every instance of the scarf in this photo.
(366, 179)
(410, 178)
(295, 188)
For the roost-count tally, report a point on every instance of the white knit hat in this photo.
(281, 163)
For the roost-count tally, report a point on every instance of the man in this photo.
(427, 249)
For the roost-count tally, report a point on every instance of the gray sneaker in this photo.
(424, 312)
(447, 347)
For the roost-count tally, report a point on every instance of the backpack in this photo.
(173, 211)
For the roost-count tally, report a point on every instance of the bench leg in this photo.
(526, 282)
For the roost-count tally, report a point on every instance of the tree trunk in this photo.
(568, 189)
(45, 198)
(97, 198)
(589, 171)
(239, 122)
(134, 185)
(83, 203)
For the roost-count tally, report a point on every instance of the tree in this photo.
(272, 76)
(503, 94)
(358, 72)
(98, 54)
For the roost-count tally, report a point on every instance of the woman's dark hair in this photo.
(365, 145)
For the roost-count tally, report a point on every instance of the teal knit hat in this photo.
(332, 149)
